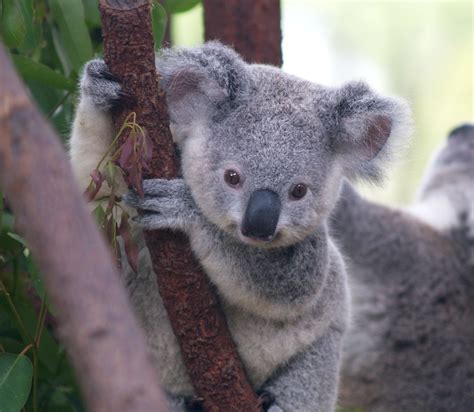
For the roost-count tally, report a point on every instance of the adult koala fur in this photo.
(263, 155)
(411, 345)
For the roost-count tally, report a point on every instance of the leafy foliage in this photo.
(49, 41)
(16, 372)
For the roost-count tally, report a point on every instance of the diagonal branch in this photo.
(95, 322)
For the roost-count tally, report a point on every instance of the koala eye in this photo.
(231, 177)
(298, 191)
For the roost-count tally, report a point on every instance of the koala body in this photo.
(411, 344)
(263, 155)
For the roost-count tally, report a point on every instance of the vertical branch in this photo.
(193, 308)
(95, 322)
(251, 27)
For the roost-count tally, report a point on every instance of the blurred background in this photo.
(419, 50)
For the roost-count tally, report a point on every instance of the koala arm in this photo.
(167, 204)
(92, 129)
(309, 381)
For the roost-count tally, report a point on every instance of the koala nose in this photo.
(262, 214)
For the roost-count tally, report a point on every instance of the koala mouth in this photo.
(258, 241)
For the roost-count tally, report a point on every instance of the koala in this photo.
(263, 155)
(411, 343)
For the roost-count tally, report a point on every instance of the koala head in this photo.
(264, 152)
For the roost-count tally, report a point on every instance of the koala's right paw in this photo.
(101, 87)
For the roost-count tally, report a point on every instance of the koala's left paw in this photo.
(166, 204)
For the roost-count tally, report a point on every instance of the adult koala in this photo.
(263, 155)
(411, 345)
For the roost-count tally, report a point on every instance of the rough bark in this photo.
(198, 322)
(251, 27)
(95, 322)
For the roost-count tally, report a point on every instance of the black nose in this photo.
(261, 215)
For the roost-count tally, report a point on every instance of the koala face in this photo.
(262, 151)
(265, 173)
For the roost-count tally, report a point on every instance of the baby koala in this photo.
(263, 155)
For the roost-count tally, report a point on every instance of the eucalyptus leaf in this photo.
(11, 345)
(159, 19)
(32, 70)
(99, 215)
(18, 238)
(91, 11)
(33, 13)
(73, 32)
(13, 24)
(1, 210)
(180, 6)
(16, 372)
(49, 351)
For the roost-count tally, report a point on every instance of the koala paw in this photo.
(166, 204)
(98, 84)
(267, 400)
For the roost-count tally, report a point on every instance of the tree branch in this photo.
(95, 322)
(251, 27)
(198, 322)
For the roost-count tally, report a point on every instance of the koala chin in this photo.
(263, 155)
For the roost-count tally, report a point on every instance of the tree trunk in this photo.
(251, 27)
(198, 322)
(95, 323)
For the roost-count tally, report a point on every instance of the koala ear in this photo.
(201, 82)
(368, 129)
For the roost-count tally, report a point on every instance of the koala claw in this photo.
(166, 204)
(102, 87)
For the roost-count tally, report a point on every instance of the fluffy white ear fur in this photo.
(198, 80)
(370, 129)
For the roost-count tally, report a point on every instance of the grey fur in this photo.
(411, 345)
(286, 300)
(98, 85)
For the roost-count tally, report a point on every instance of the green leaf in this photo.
(37, 282)
(1, 210)
(180, 6)
(91, 11)
(45, 97)
(13, 24)
(49, 352)
(159, 19)
(32, 70)
(72, 37)
(10, 245)
(11, 345)
(16, 372)
(18, 238)
(33, 13)
(99, 215)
